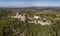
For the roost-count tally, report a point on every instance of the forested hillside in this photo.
(14, 27)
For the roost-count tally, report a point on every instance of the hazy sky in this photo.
(28, 3)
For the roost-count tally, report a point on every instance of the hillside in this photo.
(29, 22)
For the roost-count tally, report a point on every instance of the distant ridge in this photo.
(43, 7)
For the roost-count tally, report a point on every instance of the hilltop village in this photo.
(36, 19)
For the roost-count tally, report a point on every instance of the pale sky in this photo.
(28, 3)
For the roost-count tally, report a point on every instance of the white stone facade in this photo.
(20, 17)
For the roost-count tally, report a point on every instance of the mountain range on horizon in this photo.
(42, 7)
